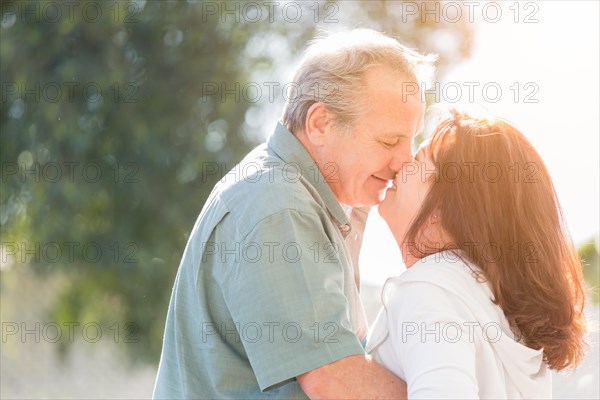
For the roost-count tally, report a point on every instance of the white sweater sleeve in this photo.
(431, 332)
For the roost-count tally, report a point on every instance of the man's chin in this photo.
(362, 203)
(368, 199)
(372, 200)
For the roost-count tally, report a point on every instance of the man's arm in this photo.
(354, 377)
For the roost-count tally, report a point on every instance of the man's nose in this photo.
(399, 159)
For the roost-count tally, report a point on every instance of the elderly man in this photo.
(265, 303)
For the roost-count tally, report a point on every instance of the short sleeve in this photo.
(286, 295)
(432, 337)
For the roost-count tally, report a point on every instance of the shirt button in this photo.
(345, 228)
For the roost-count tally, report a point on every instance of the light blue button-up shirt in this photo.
(266, 287)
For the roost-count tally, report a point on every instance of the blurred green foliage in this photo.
(132, 104)
(590, 258)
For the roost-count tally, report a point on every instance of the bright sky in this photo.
(554, 61)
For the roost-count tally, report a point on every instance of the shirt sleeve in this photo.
(286, 295)
(432, 336)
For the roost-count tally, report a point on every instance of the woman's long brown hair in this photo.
(497, 202)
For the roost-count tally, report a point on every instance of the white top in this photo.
(445, 338)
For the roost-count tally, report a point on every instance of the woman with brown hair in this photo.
(492, 297)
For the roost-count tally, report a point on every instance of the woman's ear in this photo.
(317, 123)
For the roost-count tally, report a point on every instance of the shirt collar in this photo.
(290, 150)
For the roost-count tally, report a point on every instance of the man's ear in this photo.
(317, 124)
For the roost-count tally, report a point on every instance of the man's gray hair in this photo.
(332, 73)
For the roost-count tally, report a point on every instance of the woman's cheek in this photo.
(413, 207)
(404, 206)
